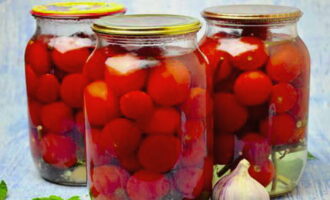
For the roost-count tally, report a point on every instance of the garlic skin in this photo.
(239, 185)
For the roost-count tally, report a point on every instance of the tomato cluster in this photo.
(55, 85)
(261, 96)
(146, 115)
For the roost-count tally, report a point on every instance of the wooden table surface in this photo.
(17, 26)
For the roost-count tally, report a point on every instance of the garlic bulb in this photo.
(239, 185)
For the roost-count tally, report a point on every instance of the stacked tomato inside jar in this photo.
(147, 113)
(55, 81)
(261, 84)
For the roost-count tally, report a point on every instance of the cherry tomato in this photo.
(263, 173)
(125, 73)
(252, 88)
(300, 109)
(146, 185)
(99, 153)
(256, 148)
(31, 81)
(72, 90)
(159, 153)
(224, 148)
(165, 121)
(279, 129)
(169, 83)
(95, 67)
(48, 88)
(249, 53)
(230, 116)
(70, 53)
(192, 130)
(80, 122)
(37, 57)
(100, 103)
(285, 63)
(283, 97)
(136, 105)
(130, 163)
(122, 135)
(35, 112)
(208, 173)
(109, 180)
(57, 117)
(299, 134)
(198, 105)
(189, 181)
(224, 67)
(58, 150)
(35, 143)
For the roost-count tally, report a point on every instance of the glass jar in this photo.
(259, 69)
(148, 112)
(55, 81)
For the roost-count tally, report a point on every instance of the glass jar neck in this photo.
(63, 27)
(287, 30)
(184, 43)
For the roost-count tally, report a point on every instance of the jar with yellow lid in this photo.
(55, 81)
(259, 69)
(148, 112)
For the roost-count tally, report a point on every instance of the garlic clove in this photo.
(239, 185)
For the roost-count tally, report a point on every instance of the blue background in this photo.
(17, 26)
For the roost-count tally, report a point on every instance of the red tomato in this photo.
(249, 53)
(58, 150)
(194, 154)
(299, 134)
(48, 88)
(99, 153)
(159, 153)
(80, 122)
(100, 103)
(224, 148)
(35, 143)
(122, 135)
(169, 83)
(125, 73)
(230, 116)
(146, 185)
(130, 163)
(198, 105)
(35, 112)
(253, 88)
(208, 173)
(94, 67)
(279, 129)
(72, 90)
(136, 105)
(256, 148)
(71, 61)
(109, 180)
(189, 181)
(31, 81)
(192, 130)
(263, 173)
(285, 63)
(300, 109)
(37, 57)
(165, 121)
(224, 67)
(57, 117)
(283, 97)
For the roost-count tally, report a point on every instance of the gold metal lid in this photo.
(143, 25)
(252, 14)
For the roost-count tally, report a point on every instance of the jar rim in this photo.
(253, 14)
(147, 25)
(76, 10)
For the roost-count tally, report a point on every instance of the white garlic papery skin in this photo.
(239, 185)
